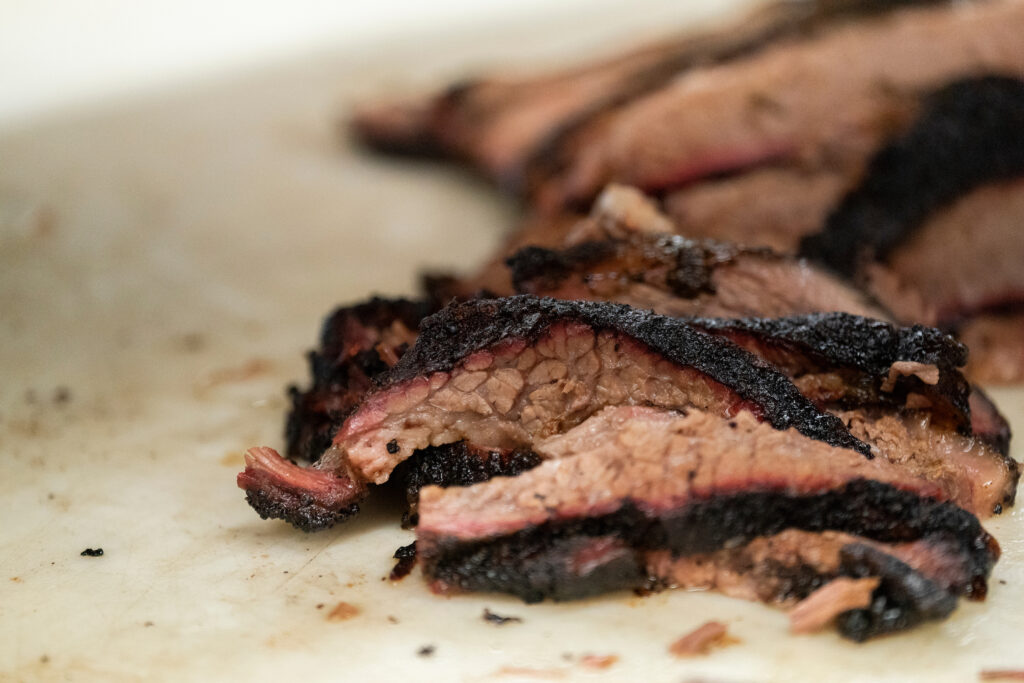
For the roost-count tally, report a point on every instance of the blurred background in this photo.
(56, 54)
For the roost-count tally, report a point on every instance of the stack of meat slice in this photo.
(747, 409)
(883, 140)
(656, 451)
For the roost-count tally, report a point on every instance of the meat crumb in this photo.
(819, 608)
(598, 661)
(1001, 675)
(320, 605)
(45, 659)
(392, 619)
(499, 620)
(61, 395)
(148, 624)
(342, 611)
(426, 651)
(406, 556)
(92, 552)
(701, 640)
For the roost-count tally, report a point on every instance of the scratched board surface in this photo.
(163, 266)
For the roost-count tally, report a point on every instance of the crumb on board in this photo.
(61, 395)
(821, 607)
(392, 619)
(342, 611)
(406, 556)
(702, 639)
(92, 552)
(592, 661)
(426, 651)
(499, 620)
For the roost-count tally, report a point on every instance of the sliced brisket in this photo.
(899, 386)
(357, 344)
(457, 464)
(512, 127)
(500, 374)
(970, 133)
(823, 104)
(677, 276)
(632, 484)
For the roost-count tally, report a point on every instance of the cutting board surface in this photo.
(163, 266)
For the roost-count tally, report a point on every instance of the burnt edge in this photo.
(456, 464)
(532, 563)
(691, 262)
(342, 370)
(301, 510)
(869, 346)
(904, 597)
(970, 133)
(461, 329)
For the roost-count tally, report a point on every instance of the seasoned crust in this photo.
(459, 330)
(970, 132)
(875, 349)
(357, 344)
(574, 558)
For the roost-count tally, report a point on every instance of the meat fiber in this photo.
(633, 496)
(864, 368)
(500, 374)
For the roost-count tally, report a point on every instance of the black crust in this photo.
(691, 263)
(339, 377)
(865, 345)
(302, 511)
(846, 339)
(903, 599)
(971, 132)
(870, 347)
(461, 329)
(533, 564)
(456, 464)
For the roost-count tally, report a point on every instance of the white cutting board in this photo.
(163, 266)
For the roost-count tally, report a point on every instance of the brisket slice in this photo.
(630, 497)
(500, 374)
(357, 344)
(456, 464)
(506, 126)
(846, 361)
(682, 277)
(970, 133)
(780, 107)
